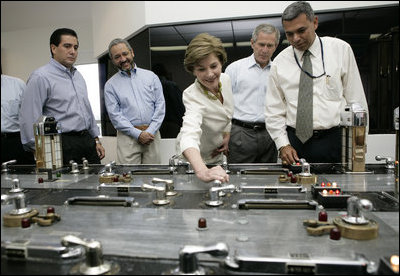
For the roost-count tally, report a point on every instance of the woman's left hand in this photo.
(224, 147)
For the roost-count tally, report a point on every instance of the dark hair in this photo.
(297, 8)
(55, 37)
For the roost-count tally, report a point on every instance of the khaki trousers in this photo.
(130, 151)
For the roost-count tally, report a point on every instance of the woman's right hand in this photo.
(215, 173)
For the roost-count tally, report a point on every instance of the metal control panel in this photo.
(119, 226)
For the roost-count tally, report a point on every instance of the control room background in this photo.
(373, 34)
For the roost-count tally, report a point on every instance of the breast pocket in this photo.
(333, 86)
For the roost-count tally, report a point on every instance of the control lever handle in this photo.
(4, 165)
(389, 161)
(74, 167)
(355, 209)
(15, 187)
(107, 170)
(189, 169)
(188, 262)
(160, 193)
(169, 185)
(74, 240)
(85, 164)
(172, 160)
(94, 255)
(19, 203)
(225, 166)
(214, 194)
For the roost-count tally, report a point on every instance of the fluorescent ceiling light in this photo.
(373, 36)
(180, 48)
(243, 43)
(168, 48)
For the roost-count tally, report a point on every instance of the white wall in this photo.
(115, 19)
(25, 50)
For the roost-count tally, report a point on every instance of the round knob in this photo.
(50, 210)
(25, 223)
(335, 234)
(202, 224)
(323, 216)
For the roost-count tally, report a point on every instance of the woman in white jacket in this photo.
(205, 132)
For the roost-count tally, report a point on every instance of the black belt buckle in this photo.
(258, 127)
(319, 133)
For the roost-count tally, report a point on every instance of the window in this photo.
(90, 73)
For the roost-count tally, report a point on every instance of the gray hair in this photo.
(297, 8)
(268, 29)
(116, 42)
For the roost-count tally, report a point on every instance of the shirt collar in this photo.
(252, 62)
(314, 49)
(61, 67)
(133, 71)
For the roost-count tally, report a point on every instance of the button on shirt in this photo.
(11, 93)
(341, 85)
(133, 100)
(249, 86)
(54, 91)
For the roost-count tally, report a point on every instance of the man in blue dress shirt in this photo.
(135, 103)
(11, 148)
(250, 142)
(58, 90)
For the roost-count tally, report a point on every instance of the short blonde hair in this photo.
(200, 47)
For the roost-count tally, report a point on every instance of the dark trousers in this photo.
(249, 145)
(323, 147)
(78, 145)
(11, 149)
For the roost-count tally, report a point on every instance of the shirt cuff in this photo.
(281, 142)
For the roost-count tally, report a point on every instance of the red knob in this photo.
(323, 216)
(25, 223)
(202, 223)
(335, 234)
(40, 180)
(50, 210)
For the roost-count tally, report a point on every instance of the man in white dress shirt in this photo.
(250, 142)
(335, 82)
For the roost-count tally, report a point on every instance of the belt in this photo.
(76, 133)
(142, 127)
(10, 134)
(317, 132)
(255, 126)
